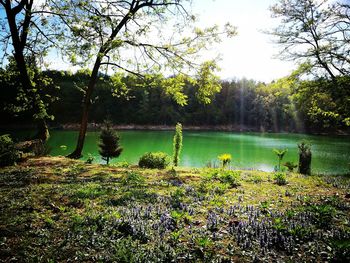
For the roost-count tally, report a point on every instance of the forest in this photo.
(290, 104)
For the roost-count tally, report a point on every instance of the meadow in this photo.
(55, 209)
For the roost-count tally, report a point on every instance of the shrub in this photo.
(90, 159)
(290, 166)
(8, 152)
(280, 178)
(151, 160)
(132, 178)
(225, 159)
(280, 154)
(256, 179)
(177, 144)
(123, 164)
(230, 177)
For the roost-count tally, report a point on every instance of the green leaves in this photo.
(208, 83)
(280, 154)
(174, 87)
(177, 144)
(120, 87)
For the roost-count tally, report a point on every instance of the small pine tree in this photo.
(177, 144)
(109, 143)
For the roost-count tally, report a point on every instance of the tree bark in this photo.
(77, 153)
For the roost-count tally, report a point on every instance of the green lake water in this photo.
(249, 150)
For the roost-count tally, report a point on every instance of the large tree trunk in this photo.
(19, 42)
(77, 153)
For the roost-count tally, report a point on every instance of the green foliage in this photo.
(325, 103)
(280, 154)
(279, 225)
(230, 177)
(264, 206)
(159, 160)
(341, 248)
(280, 178)
(208, 83)
(109, 145)
(90, 191)
(174, 87)
(227, 178)
(179, 216)
(177, 198)
(8, 153)
(177, 144)
(284, 105)
(256, 179)
(21, 102)
(225, 159)
(323, 214)
(132, 178)
(290, 166)
(123, 164)
(90, 159)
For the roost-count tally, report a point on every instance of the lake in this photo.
(330, 155)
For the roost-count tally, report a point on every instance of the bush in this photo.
(280, 178)
(132, 178)
(8, 153)
(290, 166)
(158, 160)
(230, 177)
(256, 179)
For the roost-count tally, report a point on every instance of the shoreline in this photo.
(147, 127)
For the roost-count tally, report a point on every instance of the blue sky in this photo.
(249, 54)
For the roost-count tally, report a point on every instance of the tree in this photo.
(22, 31)
(314, 31)
(135, 36)
(21, 105)
(177, 144)
(109, 144)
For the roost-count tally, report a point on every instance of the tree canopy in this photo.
(316, 32)
(138, 37)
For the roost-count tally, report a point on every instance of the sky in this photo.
(250, 54)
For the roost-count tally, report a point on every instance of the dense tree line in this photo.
(288, 104)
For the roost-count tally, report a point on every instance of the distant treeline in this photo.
(288, 104)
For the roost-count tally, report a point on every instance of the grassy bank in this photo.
(58, 210)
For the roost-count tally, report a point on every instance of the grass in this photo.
(58, 210)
